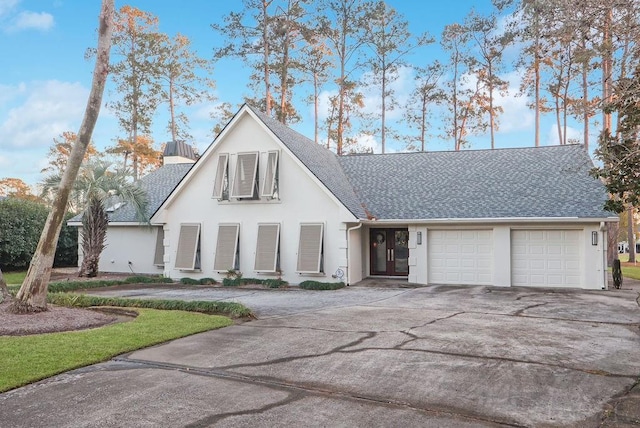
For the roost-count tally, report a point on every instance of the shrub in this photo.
(207, 281)
(21, 223)
(274, 283)
(141, 279)
(189, 281)
(317, 285)
(209, 307)
(67, 250)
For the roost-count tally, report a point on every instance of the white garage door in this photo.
(460, 257)
(546, 258)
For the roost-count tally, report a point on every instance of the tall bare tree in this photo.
(184, 79)
(426, 93)
(137, 46)
(32, 296)
(346, 34)
(247, 37)
(388, 36)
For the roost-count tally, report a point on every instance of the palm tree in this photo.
(98, 187)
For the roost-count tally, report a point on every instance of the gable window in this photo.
(188, 252)
(245, 183)
(227, 248)
(268, 248)
(158, 257)
(270, 182)
(310, 248)
(221, 183)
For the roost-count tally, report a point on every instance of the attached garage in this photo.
(460, 257)
(547, 258)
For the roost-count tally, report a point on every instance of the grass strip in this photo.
(232, 309)
(27, 359)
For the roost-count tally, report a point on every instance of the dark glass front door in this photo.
(389, 250)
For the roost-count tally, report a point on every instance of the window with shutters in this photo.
(158, 257)
(310, 248)
(270, 182)
(227, 248)
(221, 182)
(268, 248)
(245, 180)
(188, 252)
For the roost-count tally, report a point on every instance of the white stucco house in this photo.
(268, 202)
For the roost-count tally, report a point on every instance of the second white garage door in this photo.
(460, 257)
(546, 258)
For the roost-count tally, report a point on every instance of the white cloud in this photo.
(27, 20)
(6, 6)
(573, 135)
(13, 20)
(46, 109)
(516, 115)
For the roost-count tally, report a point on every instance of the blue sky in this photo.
(45, 80)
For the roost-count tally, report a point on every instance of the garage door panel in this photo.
(467, 257)
(546, 258)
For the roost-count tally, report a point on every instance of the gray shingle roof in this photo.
(321, 162)
(158, 185)
(550, 181)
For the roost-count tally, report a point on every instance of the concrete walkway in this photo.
(434, 356)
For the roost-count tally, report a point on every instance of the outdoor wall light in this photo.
(419, 238)
(594, 238)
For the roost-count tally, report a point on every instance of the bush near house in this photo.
(21, 223)
(317, 285)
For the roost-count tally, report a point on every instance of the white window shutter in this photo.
(187, 246)
(310, 248)
(158, 257)
(245, 176)
(267, 247)
(269, 185)
(221, 176)
(226, 247)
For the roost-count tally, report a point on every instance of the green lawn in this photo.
(14, 277)
(26, 359)
(631, 271)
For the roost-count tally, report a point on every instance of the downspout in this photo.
(605, 246)
(349, 248)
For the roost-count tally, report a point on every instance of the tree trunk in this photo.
(382, 113)
(612, 244)
(32, 296)
(536, 71)
(94, 231)
(172, 110)
(631, 236)
(4, 291)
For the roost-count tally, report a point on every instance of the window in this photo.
(267, 248)
(310, 248)
(227, 249)
(158, 257)
(221, 183)
(188, 247)
(270, 182)
(245, 184)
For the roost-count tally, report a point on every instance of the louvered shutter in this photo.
(245, 176)
(310, 248)
(270, 175)
(158, 257)
(187, 246)
(226, 247)
(267, 247)
(221, 176)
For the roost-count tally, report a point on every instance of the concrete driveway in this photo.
(433, 356)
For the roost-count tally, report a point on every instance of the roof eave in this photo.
(494, 220)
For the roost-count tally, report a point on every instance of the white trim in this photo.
(493, 220)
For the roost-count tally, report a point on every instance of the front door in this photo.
(389, 250)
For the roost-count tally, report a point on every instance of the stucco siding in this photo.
(301, 200)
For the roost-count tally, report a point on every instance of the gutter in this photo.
(495, 220)
(348, 248)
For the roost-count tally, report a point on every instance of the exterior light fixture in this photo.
(419, 238)
(594, 238)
